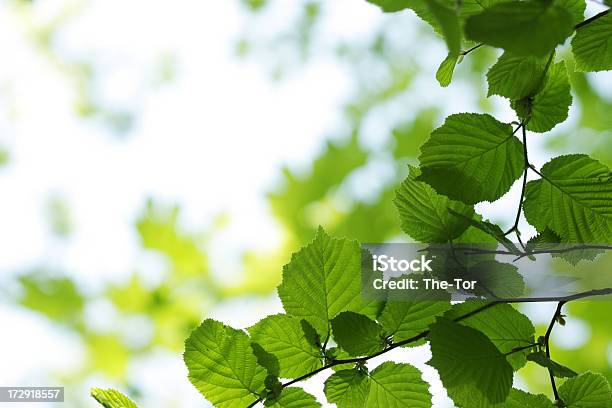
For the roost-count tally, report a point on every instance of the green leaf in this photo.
(588, 390)
(424, 213)
(547, 240)
(506, 327)
(283, 337)
(448, 21)
(472, 158)
(322, 280)
(394, 385)
(267, 360)
(467, 360)
(577, 188)
(110, 398)
(575, 7)
(491, 229)
(549, 106)
(57, 298)
(347, 388)
(444, 75)
(336, 353)
(222, 365)
(496, 280)
(390, 6)
(558, 370)
(521, 399)
(357, 334)
(273, 386)
(592, 45)
(390, 385)
(523, 28)
(474, 235)
(404, 319)
(293, 397)
(515, 76)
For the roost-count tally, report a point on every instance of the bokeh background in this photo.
(160, 161)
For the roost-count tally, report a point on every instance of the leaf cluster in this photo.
(471, 158)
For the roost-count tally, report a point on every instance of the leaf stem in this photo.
(519, 349)
(466, 52)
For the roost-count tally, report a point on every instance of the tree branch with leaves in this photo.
(476, 345)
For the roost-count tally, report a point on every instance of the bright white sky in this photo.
(213, 141)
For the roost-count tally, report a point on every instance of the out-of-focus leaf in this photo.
(298, 191)
(408, 136)
(159, 230)
(58, 298)
(108, 354)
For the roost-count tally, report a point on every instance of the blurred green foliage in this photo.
(56, 297)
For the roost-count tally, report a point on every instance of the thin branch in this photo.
(526, 164)
(252, 404)
(590, 20)
(466, 52)
(478, 251)
(547, 345)
(519, 349)
(422, 335)
(565, 299)
(520, 207)
(326, 340)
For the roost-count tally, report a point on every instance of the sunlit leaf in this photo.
(222, 365)
(472, 158)
(112, 398)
